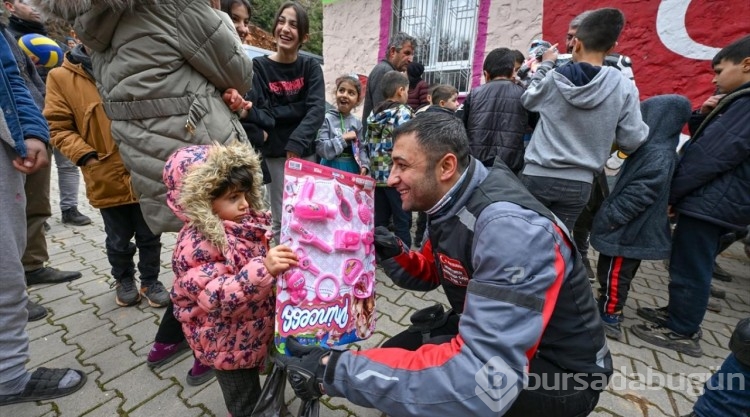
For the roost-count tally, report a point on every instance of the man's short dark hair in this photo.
(442, 92)
(399, 39)
(578, 19)
(518, 57)
(500, 62)
(391, 82)
(438, 134)
(600, 29)
(735, 52)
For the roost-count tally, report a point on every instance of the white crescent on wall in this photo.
(672, 31)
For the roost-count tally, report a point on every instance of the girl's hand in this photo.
(290, 155)
(279, 259)
(348, 136)
(363, 171)
(234, 100)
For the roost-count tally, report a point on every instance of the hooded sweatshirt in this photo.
(578, 123)
(632, 222)
(161, 68)
(222, 293)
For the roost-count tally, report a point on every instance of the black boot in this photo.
(74, 217)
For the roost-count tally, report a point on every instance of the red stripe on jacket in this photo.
(550, 296)
(427, 356)
(419, 264)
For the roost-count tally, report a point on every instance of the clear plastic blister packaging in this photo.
(329, 298)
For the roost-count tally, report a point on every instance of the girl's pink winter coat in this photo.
(222, 294)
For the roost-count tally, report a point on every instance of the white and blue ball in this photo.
(41, 49)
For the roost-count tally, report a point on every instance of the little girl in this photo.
(290, 90)
(224, 272)
(339, 138)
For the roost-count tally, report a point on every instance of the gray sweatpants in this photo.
(14, 341)
(68, 180)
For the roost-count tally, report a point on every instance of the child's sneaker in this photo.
(199, 374)
(155, 293)
(611, 324)
(163, 353)
(126, 294)
(615, 160)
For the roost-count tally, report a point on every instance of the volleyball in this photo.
(41, 49)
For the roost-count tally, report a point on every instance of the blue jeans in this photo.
(387, 205)
(727, 393)
(695, 244)
(565, 198)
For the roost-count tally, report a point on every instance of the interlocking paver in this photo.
(89, 331)
(49, 347)
(135, 391)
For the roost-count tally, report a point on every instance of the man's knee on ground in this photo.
(740, 342)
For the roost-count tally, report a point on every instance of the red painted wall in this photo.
(659, 70)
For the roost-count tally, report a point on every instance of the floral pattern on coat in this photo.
(223, 296)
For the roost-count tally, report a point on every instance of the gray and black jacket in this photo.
(523, 295)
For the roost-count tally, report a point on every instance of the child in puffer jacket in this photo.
(224, 270)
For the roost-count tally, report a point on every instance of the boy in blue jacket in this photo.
(632, 223)
(710, 195)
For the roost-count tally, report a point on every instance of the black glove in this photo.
(304, 370)
(387, 244)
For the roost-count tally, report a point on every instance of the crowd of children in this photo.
(214, 190)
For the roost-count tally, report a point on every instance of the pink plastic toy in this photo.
(345, 240)
(306, 263)
(344, 207)
(295, 285)
(309, 238)
(310, 210)
(351, 270)
(363, 210)
(368, 238)
(327, 295)
(363, 287)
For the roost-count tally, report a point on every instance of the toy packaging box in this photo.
(328, 218)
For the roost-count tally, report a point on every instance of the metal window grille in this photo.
(446, 33)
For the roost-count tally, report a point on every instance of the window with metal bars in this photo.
(446, 32)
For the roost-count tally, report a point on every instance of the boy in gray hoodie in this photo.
(583, 108)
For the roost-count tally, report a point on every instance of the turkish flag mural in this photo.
(671, 42)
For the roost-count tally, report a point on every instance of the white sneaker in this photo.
(614, 162)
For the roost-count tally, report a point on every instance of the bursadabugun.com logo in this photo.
(497, 384)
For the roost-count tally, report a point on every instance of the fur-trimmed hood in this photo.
(193, 172)
(68, 9)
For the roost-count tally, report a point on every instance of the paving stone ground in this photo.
(87, 330)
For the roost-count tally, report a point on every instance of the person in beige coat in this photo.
(80, 129)
(161, 68)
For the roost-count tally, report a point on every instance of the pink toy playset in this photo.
(329, 298)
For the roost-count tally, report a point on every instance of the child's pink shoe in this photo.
(163, 353)
(199, 374)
